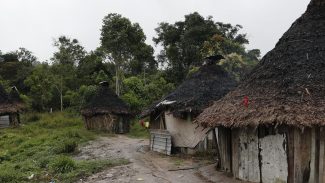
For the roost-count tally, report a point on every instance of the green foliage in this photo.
(40, 83)
(124, 44)
(138, 131)
(62, 164)
(44, 148)
(66, 146)
(186, 43)
(126, 61)
(140, 92)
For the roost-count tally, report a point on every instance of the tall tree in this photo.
(186, 43)
(65, 61)
(124, 45)
(40, 82)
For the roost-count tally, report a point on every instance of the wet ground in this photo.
(146, 166)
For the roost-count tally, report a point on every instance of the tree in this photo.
(90, 66)
(25, 56)
(70, 52)
(16, 66)
(40, 82)
(186, 43)
(65, 62)
(139, 92)
(124, 45)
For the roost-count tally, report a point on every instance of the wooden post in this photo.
(13, 120)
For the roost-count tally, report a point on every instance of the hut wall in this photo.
(14, 119)
(224, 141)
(184, 132)
(157, 122)
(303, 155)
(274, 166)
(235, 152)
(4, 121)
(248, 162)
(108, 122)
(271, 155)
(317, 159)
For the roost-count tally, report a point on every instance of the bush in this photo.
(32, 117)
(62, 164)
(138, 131)
(67, 146)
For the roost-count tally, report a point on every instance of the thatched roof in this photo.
(287, 87)
(209, 83)
(10, 103)
(105, 101)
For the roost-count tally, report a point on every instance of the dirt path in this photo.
(145, 167)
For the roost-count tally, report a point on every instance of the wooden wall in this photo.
(108, 122)
(160, 141)
(4, 121)
(280, 154)
(224, 139)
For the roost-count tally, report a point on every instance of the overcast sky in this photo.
(34, 24)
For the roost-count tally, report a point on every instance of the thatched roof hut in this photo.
(209, 83)
(105, 110)
(176, 111)
(287, 86)
(270, 127)
(10, 105)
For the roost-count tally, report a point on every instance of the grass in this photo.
(137, 131)
(42, 150)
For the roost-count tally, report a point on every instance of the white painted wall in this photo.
(184, 132)
(248, 156)
(274, 159)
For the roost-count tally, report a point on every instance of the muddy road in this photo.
(145, 166)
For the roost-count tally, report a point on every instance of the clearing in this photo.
(145, 166)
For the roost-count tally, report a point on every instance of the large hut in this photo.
(106, 111)
(175, 112)
(10, 107)
(271, 127)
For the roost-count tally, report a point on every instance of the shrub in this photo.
(62, 164)
(67, 146)
(32, 117)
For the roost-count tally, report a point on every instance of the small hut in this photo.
(106, 111)
(271, 127)
(10, 107)
(176, 112)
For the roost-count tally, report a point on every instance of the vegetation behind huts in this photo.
(209, 83)
(72, 73)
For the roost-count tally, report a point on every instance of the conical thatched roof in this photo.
(209, 83)
(287, 86)
(9, 103)
(105, 101)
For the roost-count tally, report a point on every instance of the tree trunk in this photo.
(61, 97)
(117, 80)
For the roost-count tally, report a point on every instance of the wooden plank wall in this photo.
(235, 152)
(224, 138)
(160, 141)
(4, 121)
(248, 166)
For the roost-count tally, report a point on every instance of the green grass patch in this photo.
(41, 150)
(137, 131)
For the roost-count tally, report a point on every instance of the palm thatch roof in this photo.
(209, 83)
(287, 87)
(10, 103)
(105, 101)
